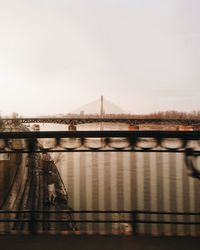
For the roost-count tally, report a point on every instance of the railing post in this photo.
(134, 222)
(32, 224)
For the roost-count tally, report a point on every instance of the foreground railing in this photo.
(115, 193)
(187, 142)
(159, 141)
(132, 221)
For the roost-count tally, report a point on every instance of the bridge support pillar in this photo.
(72, 127)
(133, 127)
(184, 128)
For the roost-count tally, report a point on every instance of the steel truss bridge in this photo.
(98, 119)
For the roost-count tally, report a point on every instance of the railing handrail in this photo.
(101, 211)
(190, 135)
(134, 220)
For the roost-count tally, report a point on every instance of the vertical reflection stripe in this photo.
(83, 187)
(153, 194)
(181, 195)
(192, 203)
(133, 181)
(88, 179)
(147, 190)
(76, 183)
(95, 188)
(140, 190)
(107, 185)
(126, 181)
(101, 190)
(166, 178)
(160, 193)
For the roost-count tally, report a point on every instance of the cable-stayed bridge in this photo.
(102, 110)
(101, 105)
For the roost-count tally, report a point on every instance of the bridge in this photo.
(137, 193)
(98, 119)
(102, 111)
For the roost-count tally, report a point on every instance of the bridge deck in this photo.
(97, 119)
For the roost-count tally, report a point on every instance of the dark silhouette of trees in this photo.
(156, 115)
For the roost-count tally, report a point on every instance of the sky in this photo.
(55, 56)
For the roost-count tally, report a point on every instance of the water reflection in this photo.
(128, 181)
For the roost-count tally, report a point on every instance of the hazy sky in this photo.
(57, 55)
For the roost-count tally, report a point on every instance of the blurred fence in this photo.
(119, 182)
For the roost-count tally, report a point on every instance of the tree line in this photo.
(156, 115)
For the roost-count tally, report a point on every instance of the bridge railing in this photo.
(40, 221)
(138, 182)
(159, 141)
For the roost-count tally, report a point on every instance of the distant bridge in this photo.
(98, 119)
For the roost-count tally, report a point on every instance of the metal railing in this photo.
(134, 219)
(186, 143)
(101, 141)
